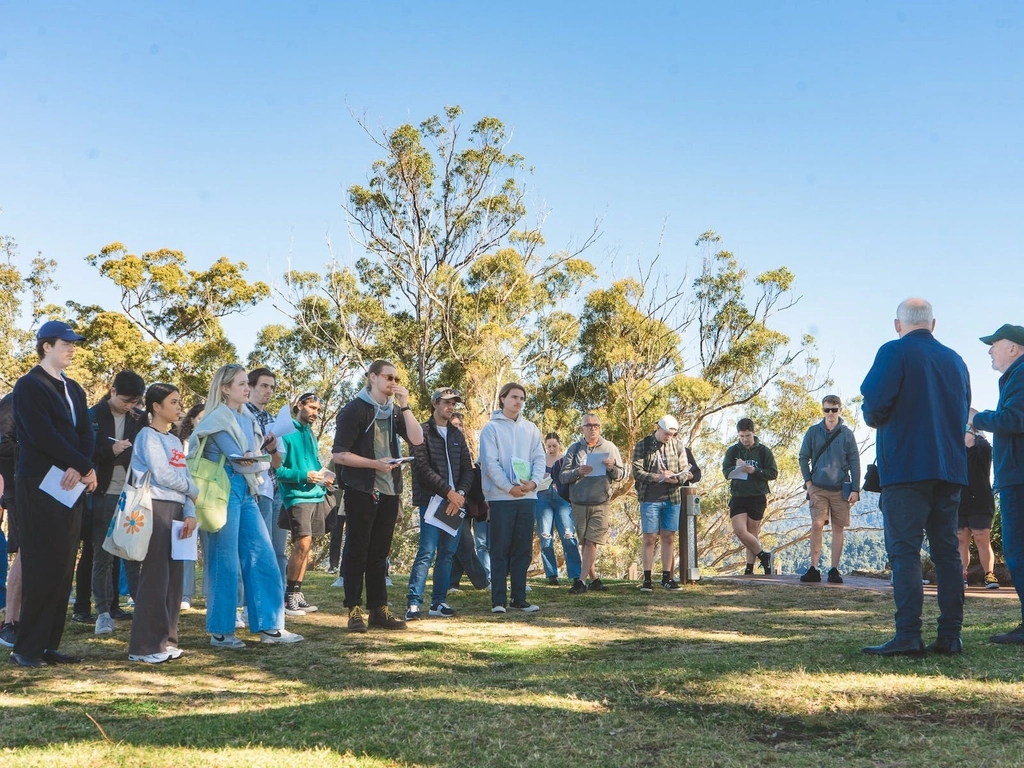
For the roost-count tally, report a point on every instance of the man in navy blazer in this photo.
(916, 395)
(1006, 423)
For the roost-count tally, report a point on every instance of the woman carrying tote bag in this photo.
(158, 598)
(230, 429)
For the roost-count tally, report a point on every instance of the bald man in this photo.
(916, 395)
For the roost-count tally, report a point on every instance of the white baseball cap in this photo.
(668, 423)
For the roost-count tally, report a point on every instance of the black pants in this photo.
(337, 529)
(49, 534)
(466, 560)
(371, 526)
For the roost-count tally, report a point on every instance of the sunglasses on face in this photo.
(830, 410)
(389, 377)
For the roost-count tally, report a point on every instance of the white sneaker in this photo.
(175, 652)
(104, 624)
(242, 618)
(339, 582)
(454, 591)
(280, 636)
(499, 608)
(186, 605)
(226, 641)
(387, 582)
(529, 588)
(151, 658)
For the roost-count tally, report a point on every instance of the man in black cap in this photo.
(54, 433)
(1006, 423)
(443, 468)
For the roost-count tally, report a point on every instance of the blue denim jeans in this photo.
(270, 510)
(909, 510)
(432, 541)
(511, 547)
(482, 537)
(555, 512)
(1011, 510)
(243, 541)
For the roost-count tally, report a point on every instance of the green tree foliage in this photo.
(17, 343)
(441, 219)
(168, 326)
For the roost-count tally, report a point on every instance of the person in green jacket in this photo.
(749, 465)
(302, 482)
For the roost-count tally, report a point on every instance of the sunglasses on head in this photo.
(831, 410)
(309, 396)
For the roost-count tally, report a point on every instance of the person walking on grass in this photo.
(229, 429)
(661, 466)
(443, 468)
(829, 461)
(1006, 423)
(511, 465)
(154, 637)
(749, 464)
(366, 445)
(916, 396)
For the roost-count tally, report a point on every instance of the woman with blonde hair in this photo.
(229, 429)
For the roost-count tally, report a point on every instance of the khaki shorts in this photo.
(829, 505)
(592, 522)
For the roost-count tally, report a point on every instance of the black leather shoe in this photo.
(947, 646)
(897, 647)
(120, 615)
(1014, 637)
(56, 657)
(83, 618)
(26, 661)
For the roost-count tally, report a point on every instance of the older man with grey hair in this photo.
(916, 395)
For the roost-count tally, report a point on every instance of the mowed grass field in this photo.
(718, 674)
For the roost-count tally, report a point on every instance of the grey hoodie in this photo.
(501, 440)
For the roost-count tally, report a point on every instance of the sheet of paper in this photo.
(596, 460)
(684, 472)
(522, 469)
(544, 484)
(51, 485)
(402, 460)
(435, 515)
(738, 474)
(183, 549)
(283, 424)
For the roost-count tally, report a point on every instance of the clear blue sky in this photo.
(873, 148)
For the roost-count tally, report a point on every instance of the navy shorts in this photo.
(751, 506)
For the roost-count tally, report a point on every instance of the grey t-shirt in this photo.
(383, 482)
(120, 475)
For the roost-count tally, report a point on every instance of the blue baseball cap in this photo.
(55, 329)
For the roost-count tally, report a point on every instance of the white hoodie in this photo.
(501, 440)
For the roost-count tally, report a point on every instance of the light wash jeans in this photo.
(270, 509)
(243, 542)
(432, 541)
(555, 512)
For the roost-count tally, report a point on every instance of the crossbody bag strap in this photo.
(824, 448)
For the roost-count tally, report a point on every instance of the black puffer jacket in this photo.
(430, 470)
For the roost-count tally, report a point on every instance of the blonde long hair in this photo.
(221, 378)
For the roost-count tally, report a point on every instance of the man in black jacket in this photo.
(54, 436)
(116, 420)
(443, 468)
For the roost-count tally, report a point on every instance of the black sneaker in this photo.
(578, 588)
(120, 615)
(669, 584)
(748, 570)
(596, 586)
(1014, 637)
(647, 586)
(991, 582)
(834, 577)
(813, 576)
(291, 605)
(356, 619)
(383, 617)
(8, 634)
(767, 561)
(305, 605)
(552, 581)
(525, 607)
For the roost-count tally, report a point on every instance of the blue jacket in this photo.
(1006, 423)
(916, 395)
